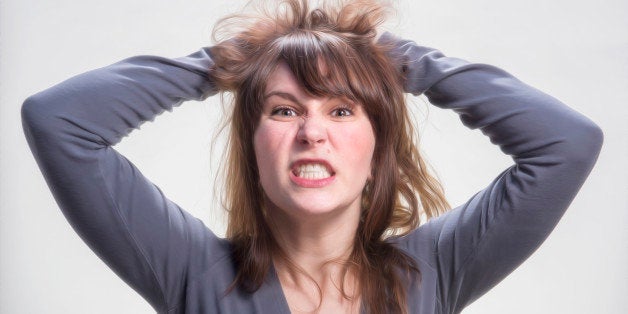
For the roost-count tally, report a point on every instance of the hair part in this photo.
(332, 51)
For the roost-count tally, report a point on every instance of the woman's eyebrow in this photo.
(281, 94)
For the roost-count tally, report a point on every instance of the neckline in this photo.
(280, 296)
(277, 289)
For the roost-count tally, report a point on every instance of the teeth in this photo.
(312, 171)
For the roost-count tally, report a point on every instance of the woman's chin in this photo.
(314, 207)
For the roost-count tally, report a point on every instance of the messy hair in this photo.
(332, 51)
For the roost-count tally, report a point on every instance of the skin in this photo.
(314, 221)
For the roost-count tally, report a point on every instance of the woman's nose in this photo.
(312, 130)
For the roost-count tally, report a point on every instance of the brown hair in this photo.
(332, 51)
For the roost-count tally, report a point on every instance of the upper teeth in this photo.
(312, 171)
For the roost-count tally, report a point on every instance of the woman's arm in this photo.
(477, 244)
(122, 216)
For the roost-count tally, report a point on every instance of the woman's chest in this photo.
(207, 294)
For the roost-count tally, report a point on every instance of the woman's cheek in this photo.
(360, 143)
(271, 143)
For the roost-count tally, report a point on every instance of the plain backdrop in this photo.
(575, 51)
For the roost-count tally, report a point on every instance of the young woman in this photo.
(324, 184)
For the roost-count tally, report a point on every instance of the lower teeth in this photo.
(313, 175)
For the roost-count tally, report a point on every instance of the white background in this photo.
(576, 51)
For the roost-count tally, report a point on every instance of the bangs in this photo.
(328, 65)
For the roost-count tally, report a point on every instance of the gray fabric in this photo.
(179, 266)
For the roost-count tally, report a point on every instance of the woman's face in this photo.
(314, 154)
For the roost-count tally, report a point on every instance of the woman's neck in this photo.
(318, 247)
(312, 241)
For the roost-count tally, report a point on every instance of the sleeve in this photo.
(123, 217)
(478, 243)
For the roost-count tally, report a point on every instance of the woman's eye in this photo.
(342, 112)
(284, 112)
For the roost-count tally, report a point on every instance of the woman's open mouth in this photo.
(312, 173)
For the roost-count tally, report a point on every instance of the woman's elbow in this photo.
(586, 144)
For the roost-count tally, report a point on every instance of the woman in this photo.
(323, 181)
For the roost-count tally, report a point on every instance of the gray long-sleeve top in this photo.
(180, 266)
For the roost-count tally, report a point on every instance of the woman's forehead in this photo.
(282, 79)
